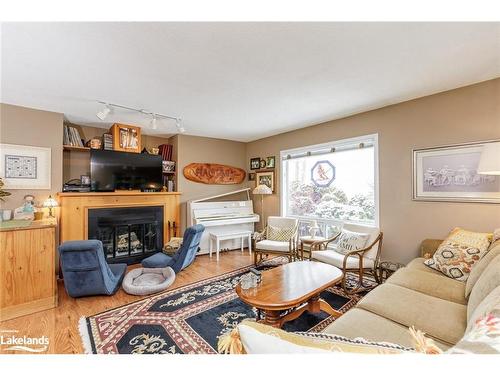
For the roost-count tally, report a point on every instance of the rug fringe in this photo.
(84, 335)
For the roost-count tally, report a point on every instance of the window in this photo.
(332, 183)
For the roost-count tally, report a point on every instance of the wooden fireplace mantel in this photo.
(75, 207)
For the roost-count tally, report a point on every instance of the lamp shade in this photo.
(50, 202)
(262, 189)
(490, 159)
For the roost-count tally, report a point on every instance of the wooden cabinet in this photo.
(27, 269)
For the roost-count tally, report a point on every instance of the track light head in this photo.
(154, 124)
(104, 113)
(180, 128)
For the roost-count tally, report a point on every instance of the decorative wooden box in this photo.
(126, 138)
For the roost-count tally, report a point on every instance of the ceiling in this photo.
(239, 81)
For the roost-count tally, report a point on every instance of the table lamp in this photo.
(262, 190)
(50, 203)
(489, 163)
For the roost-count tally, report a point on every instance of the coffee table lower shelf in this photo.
(276, 318)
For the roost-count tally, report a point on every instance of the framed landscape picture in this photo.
(25, 167)
(449, 173)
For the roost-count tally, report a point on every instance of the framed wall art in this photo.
(254, 163)
(25, 167)
(450, 173)
(265, 178)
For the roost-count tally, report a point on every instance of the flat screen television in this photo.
(115, 170)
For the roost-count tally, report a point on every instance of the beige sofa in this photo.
(419, 296)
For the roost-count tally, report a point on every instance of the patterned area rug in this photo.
(190, 319)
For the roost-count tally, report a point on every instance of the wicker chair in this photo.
(362, 261)
(288, 246)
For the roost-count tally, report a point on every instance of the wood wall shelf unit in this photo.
(27, 269)
(75, 148)
(74, 209)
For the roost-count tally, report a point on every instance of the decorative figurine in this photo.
(27, 210)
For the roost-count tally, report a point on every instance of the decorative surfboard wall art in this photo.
(214, 174)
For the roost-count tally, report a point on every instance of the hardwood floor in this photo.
(60, 325)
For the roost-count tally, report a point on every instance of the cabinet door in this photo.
(27, 266)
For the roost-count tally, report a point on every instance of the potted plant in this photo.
(3, 193)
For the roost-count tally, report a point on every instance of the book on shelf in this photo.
(71, 136)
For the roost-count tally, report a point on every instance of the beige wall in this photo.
(467, 114)
(205, 150)
(77, 163)
(30, 127)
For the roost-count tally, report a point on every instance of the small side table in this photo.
(386, 269)
(306, 243)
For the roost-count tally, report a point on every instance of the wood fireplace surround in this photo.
(74, 215)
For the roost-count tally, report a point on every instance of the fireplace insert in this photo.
(128, 234)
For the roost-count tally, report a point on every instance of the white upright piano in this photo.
(222, 217)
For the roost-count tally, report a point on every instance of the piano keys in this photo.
(222, 217)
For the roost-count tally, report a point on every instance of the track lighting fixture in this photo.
(108, 107)
(104, 112)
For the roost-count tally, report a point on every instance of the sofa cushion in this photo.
(258, 338)
(469, 238)
(455, 260)
(418, 264)
(489, 280)
(431, 284)
(442, 320)
(480, 266)
(283, 246)
(361, 323)
(336, 259)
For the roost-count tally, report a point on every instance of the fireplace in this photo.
(128, 234)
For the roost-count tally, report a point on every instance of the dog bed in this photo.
(144, 281)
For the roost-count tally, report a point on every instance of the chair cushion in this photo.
(349, 241)
(442, 320)
(434, 285)
(143, 281)
(335, 259)
(487, 282)
(158, 260)
(273, 245)
(280, 233)
(480, 266)
(361, 323)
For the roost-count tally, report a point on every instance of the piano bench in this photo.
(218, 237)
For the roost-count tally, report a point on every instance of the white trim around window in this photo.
(370, 140)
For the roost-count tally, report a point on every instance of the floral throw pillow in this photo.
(349, 241)
(483, 338)
(478, 240)
(455, 260)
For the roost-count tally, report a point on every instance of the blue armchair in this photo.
(183, 257)
(85, 270)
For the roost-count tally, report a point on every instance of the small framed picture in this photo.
(85, 180)
(262, 164)
(270, 162)
(168, 166)
(251, 176)
(265, 178)
(254, 163)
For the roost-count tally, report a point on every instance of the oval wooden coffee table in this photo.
(287, 291)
